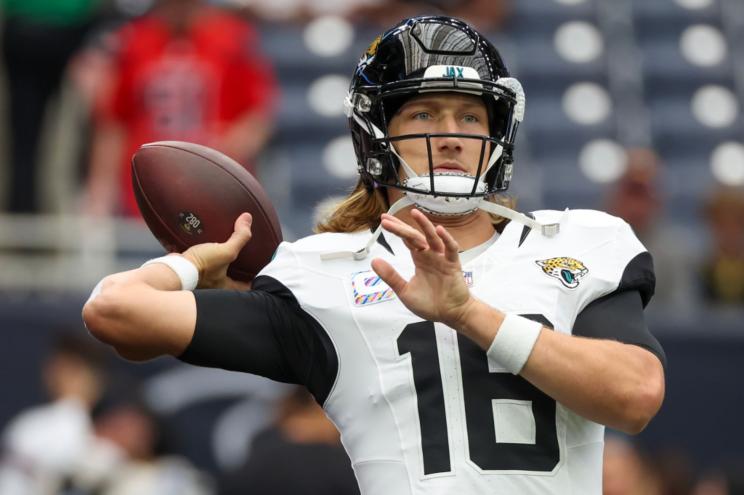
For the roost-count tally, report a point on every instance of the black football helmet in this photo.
(432, 54)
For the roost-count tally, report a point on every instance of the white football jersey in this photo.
(422, 410)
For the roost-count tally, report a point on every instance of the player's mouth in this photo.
(450, 168)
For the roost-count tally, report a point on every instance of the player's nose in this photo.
(449, 125)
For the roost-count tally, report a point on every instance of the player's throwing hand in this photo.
(437, 290)
(213, 258)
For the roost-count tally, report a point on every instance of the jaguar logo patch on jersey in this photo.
(369, 289)
(568, 270)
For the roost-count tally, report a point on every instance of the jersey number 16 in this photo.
(481, 389)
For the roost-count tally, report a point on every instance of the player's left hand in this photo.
(437, 290)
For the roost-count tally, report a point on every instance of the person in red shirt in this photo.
(186, 71)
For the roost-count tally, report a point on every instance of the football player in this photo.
(458, 346)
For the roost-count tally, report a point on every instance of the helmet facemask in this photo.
(444, 193)
(444, 55)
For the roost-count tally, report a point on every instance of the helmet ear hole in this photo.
(374, 167)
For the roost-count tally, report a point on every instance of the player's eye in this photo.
(471, 119)
(421, 116)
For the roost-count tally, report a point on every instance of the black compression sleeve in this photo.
(265, 332)
(618, 316)
(236, 331)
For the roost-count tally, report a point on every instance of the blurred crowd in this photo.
(629, 470)
(184, 71)
(194, 70)
(121, 73)
(688, 275)
(187, 70)
(91, 437)
(99, 434)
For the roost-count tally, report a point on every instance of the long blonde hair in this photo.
(361, 210)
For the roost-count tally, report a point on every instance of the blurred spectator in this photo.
(723, 270)
(484, 15)
(127, 434)
(626, 471)
(185, 71)
(43, 444)
(674, 469)
(637, 198)
(301, 453)
(726, 480)
(296, 11)
(39, 37)
(711, 484)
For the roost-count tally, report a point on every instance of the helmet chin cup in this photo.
(452, 194)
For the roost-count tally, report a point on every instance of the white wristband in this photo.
(186, 271)
(514, 342)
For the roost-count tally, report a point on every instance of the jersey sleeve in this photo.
(265, 332)
(634, 264)
(619, 314)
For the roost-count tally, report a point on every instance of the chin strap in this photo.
(403, 164)
(548, 230)
(362, 253)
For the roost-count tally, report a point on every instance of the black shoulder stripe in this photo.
(639, 275)
(273, 286)
(320, 372)
(384, 243)
(618, 316)
(525, 230)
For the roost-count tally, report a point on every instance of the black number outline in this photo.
(419, 341)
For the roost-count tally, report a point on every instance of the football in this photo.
(190, 194)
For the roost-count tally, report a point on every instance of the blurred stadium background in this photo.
(603, 79)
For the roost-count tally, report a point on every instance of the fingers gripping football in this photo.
(201, 206)
(437, 291)
(240, 236)
(213, 258)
